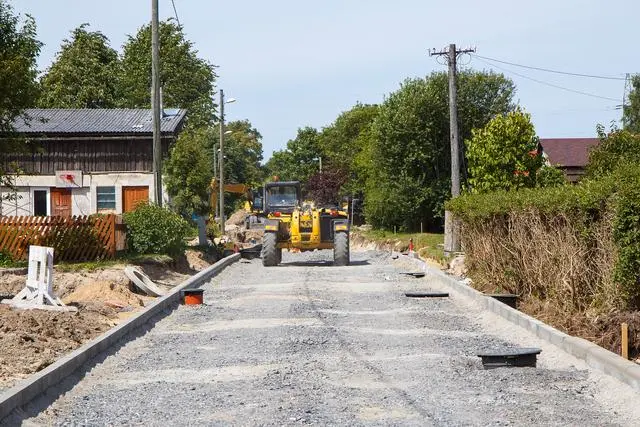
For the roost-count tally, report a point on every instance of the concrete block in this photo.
(551, 335)
(577, 347)
(609, 363)
(632, 375)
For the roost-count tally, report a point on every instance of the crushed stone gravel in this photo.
(309, 343)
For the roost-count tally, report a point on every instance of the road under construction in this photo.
(311, 343)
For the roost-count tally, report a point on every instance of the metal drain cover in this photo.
(417, 274)
(516, 357)
(426, 294)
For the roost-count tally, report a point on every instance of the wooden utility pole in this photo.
(451, 230)
(155, 101)
(221, 161)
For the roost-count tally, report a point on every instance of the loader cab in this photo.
(283, 197)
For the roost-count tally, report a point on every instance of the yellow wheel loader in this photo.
(291, 224)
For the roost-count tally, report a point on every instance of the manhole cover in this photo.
(517, 357)
(426, 294)
(417, 274)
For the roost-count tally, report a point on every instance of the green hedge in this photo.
(611, 202)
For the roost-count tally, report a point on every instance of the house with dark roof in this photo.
(85, 161)
(570, 155)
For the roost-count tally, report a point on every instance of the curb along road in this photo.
(38, 383)
(594, 355)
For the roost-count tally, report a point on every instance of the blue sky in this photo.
(296, 63)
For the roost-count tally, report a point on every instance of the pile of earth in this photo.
(30, 340)
(236, 229)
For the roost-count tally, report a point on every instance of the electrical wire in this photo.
(547, 70)
(547, 83)
(175, 12)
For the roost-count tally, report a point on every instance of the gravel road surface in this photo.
(309, 343)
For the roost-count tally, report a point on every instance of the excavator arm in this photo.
(230, 188)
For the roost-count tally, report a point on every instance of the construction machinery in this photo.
(291, 224)
(232, 188)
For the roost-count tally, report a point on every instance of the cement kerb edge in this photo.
(34, 385)
(594, 355)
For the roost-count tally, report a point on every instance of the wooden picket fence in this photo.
(75, 238)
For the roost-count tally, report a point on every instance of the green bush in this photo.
(155, 230)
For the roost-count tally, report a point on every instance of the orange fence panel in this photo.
(76, 238)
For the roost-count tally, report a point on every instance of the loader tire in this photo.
(341, 249)
(279, 255)
(269, 250)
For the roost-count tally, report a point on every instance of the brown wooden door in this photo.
(131, 196)
(60, 201)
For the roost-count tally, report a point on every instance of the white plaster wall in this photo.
(21, 206)
(83, 199)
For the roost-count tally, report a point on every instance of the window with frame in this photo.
(106, 198)
(40, 202)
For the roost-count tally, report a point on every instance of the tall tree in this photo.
(84, 73)
(503, 155)
(19, 50)
(631, 111)
(410, 164)
(188, 173)
(187, 80)
(345, 145)
(243, 154)
(190, 167)
(300, 159)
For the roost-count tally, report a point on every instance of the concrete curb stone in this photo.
(38, 383)
(594, 355)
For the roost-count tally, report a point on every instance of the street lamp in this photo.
(221, 157)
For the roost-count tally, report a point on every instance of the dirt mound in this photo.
(11, 284)
(31, 340)
(237, 218)
(106, 292)
(198, 260)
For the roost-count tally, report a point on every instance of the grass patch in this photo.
(428, 245)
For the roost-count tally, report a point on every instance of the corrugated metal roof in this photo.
(568, 152)
(96, 121)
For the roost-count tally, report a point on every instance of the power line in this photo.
(547, 83)
(593, 76)
(175, 12)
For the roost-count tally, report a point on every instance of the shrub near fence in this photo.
(76, 238)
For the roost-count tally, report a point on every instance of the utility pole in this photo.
(155, 101)
(451, 229)
(215, 176)
(221, 161)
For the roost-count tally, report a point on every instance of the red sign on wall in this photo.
(68, 179)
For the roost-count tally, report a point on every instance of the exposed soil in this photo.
(30, 340)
